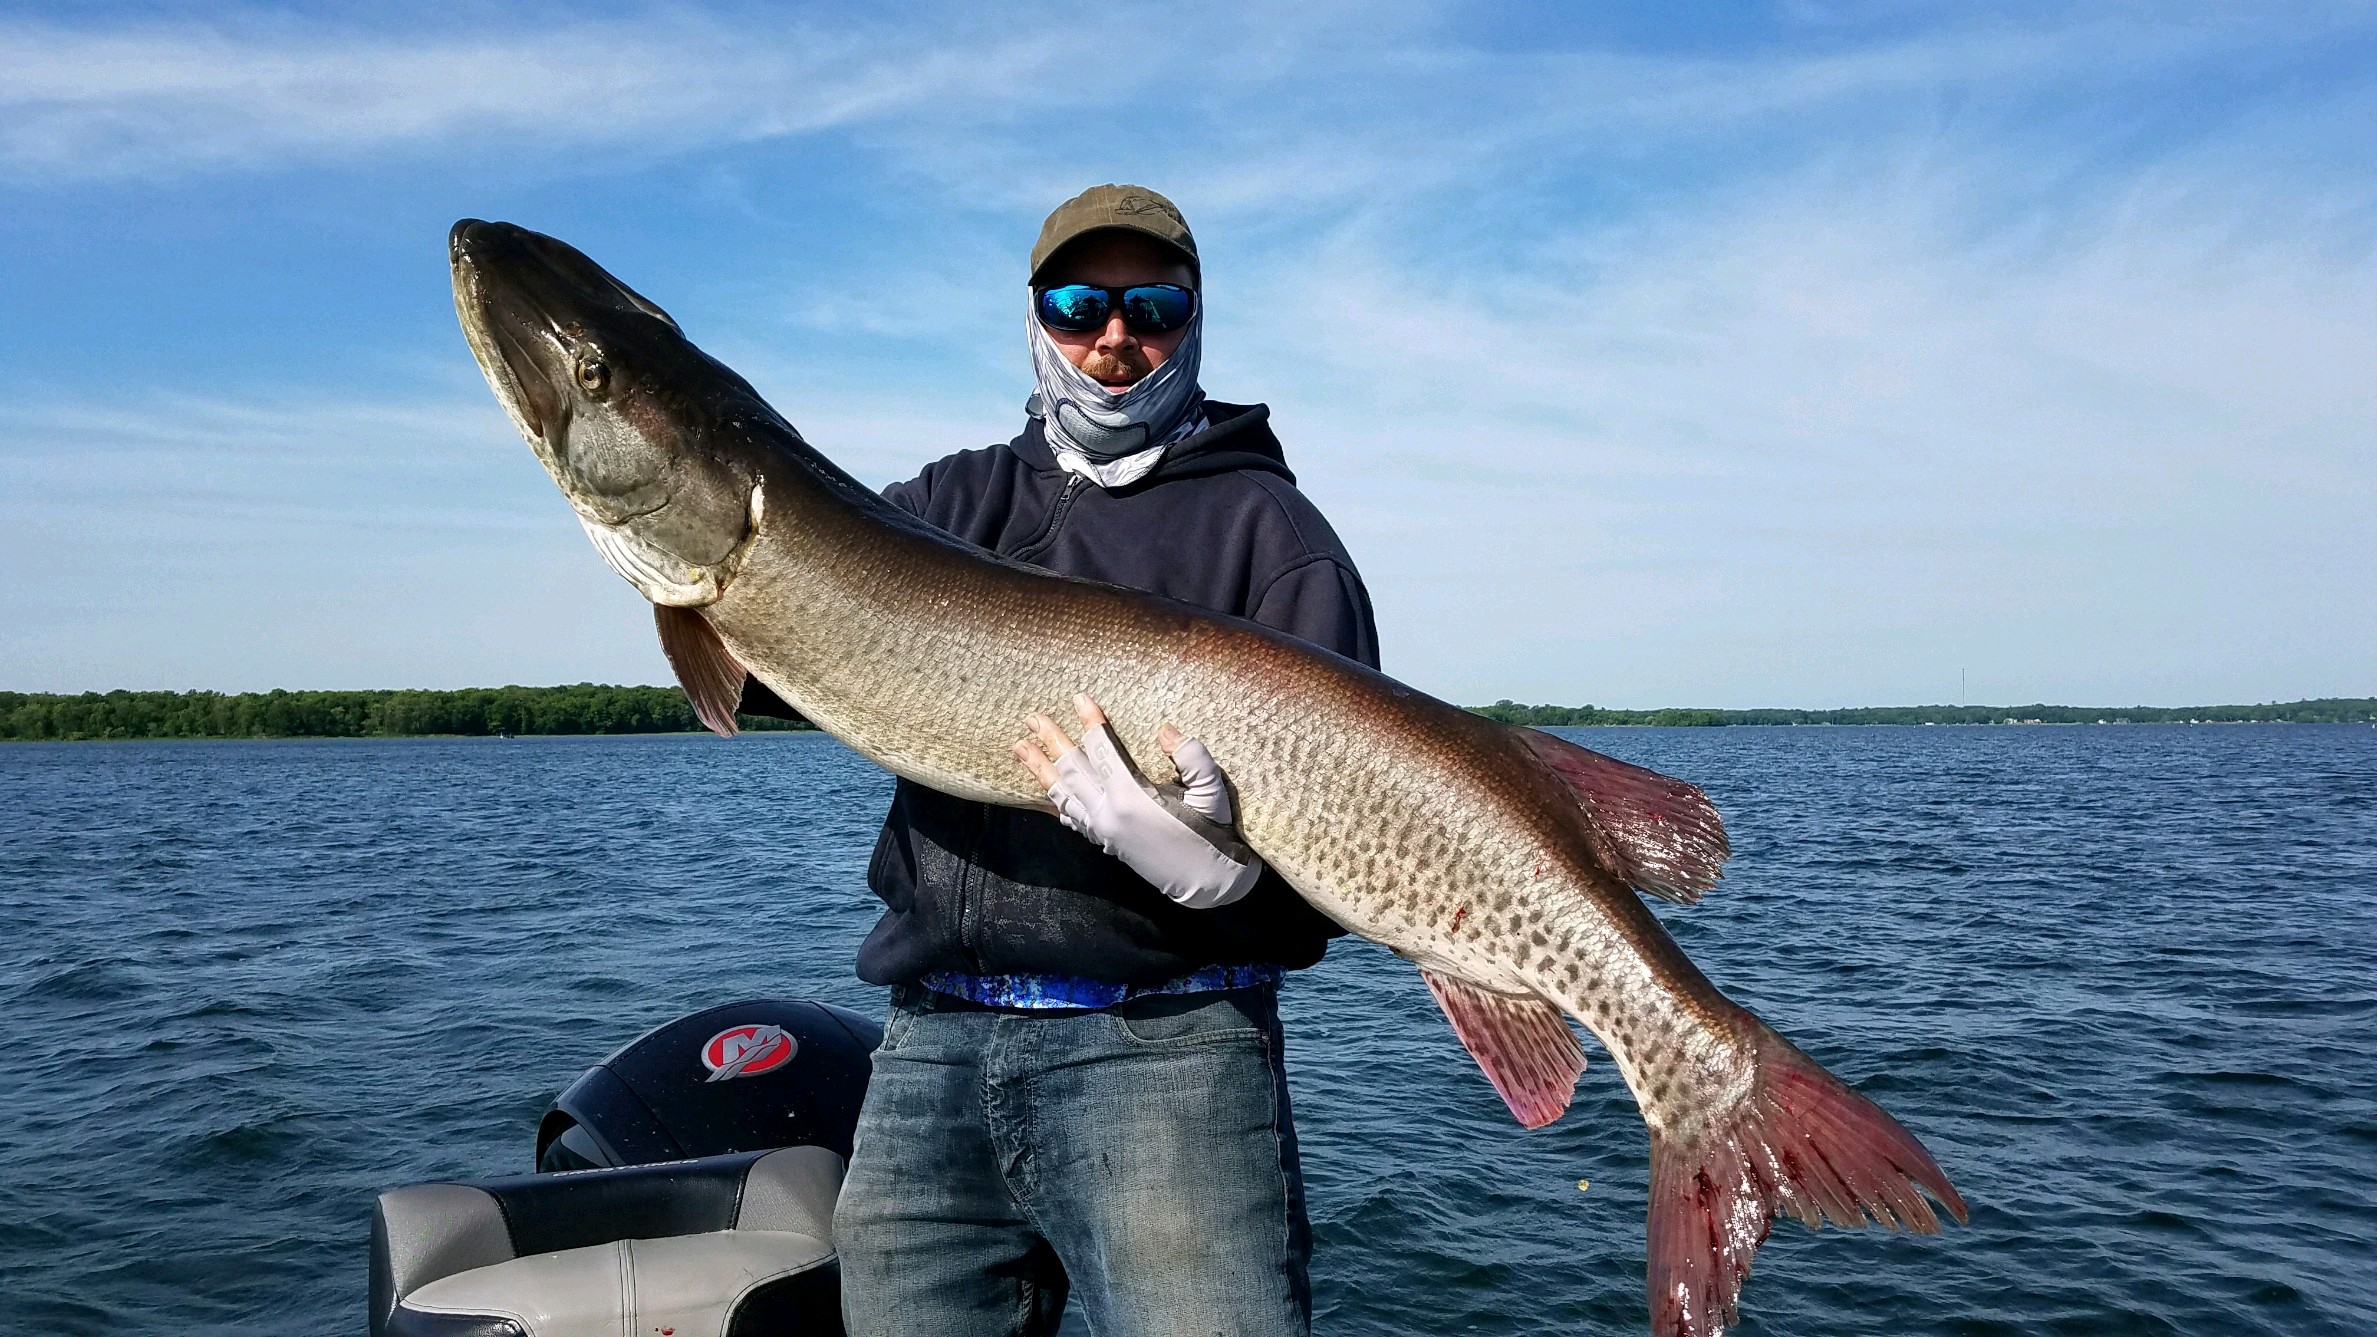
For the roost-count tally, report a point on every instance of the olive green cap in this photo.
(1134, 207)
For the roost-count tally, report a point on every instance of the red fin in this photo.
(1660, 835)
(1524, 1044)
(1802, 1144)
(709, 672)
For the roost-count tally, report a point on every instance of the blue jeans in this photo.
(1141, 1157)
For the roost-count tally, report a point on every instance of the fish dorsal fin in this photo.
(709, 672)
(1524, 1045)
(1657, 833)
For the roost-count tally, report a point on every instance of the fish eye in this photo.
(592, 376)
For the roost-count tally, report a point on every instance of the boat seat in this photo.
(724, 1246)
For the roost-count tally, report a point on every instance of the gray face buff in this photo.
(1115, 439)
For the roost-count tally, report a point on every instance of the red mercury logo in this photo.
(748, 1051)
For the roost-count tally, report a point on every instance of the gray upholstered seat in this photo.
(725, 1246)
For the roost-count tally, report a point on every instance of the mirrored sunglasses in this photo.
(1148, 308)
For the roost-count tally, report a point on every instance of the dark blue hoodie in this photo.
(973, 888)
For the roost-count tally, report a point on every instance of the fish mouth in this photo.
(546, 272)
(521, 297)
(503, 332)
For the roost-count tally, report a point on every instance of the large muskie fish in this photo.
(1503, 862)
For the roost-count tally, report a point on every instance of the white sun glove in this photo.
(1178, 837)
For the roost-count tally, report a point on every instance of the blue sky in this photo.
(1796, 354)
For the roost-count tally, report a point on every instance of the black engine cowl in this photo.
(746, 1076)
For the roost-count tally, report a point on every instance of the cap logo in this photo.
(748, 1051)
(1137, 204)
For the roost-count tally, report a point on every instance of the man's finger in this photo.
(1051, 737)
(1201, 783)
(1169, 738)
(1036, 761)
(1091, 715)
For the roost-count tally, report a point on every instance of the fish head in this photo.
(623, 411)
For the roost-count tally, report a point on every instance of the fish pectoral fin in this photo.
(709, 672)
(1656, 833)
(1523, 1044)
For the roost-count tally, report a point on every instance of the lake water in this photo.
(2122, 981)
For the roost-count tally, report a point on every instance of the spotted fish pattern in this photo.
(1507, 865)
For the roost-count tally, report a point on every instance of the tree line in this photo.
(591, 708)
(2326, 710)
(583, 708)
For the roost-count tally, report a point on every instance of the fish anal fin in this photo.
(1523, 1044)
(709, 672)
(1656, 833)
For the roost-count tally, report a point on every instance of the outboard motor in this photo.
(686, 1187)
(743, 1077)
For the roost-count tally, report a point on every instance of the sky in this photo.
(1799, 354)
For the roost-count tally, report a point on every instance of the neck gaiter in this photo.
(1115, 440)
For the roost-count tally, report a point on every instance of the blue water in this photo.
(2122, 980)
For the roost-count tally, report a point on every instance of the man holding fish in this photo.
(1079, 1084)
(1081, 1088)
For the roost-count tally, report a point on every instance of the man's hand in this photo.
(1178, 837)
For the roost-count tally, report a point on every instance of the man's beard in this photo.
(1117, 372)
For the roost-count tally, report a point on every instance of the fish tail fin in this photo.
(1802, 1144)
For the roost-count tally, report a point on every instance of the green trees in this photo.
(594, 708)
(582, 708)
(1511, 712)
(2327, 710)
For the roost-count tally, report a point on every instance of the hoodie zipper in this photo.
(974, 871)
(1056, 520)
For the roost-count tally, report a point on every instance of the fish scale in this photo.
(1503, 862)
(1341, 776)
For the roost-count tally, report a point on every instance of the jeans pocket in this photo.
(1241, 1016)
(895, 1024)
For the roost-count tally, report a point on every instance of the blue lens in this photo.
(1076, 307)
(1157, 307)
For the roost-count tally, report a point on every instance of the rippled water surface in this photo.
(2123, 981)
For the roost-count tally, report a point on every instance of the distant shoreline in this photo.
(593, 709)
(470, 712)
(2323, 710)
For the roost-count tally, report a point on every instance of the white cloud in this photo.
(85, 102)
(1778, 378)
(1268, 123)
(1249, 109)
(182, 541)
(210, 457)
(1833, 411)
(171, 541)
